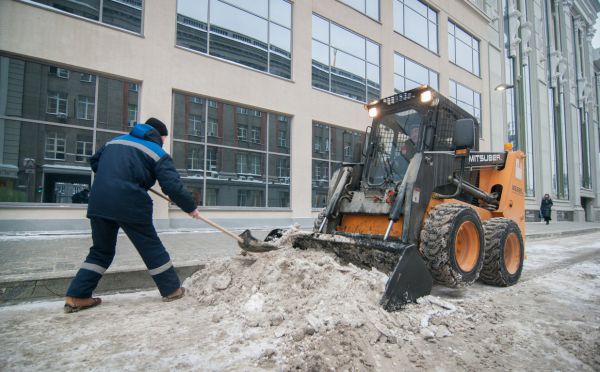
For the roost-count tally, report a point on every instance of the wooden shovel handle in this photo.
(206, 220)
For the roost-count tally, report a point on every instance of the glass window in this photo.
(84, 148)
(463, 49)
(416, 21)
(47, 163)
(348, 66)
(279, 181)
(243, 146)
(280, 11)
(57, 104)
(189, 161)
(332, 146)
(114, 103)
(466, 98)
(367, 7)
(87, 78)
(409, 74)
(85, 108)
(255, 34)
(125, 14)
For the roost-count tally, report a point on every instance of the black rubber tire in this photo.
(437, 244)
(494, 270)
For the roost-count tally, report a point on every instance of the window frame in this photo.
(58, 98)
(429, 72)
(436, 24)
(365, 12)
(98, 21)
(453, 96)
(89, 108)
(55, 145)
(271, 47)
(473, 50)
(365, 59)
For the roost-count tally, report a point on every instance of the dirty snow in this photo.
(302, 310)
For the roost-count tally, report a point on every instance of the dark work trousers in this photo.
(102, 252)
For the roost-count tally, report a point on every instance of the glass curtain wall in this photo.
(369, 8)
(409, 74)
(418, 22)
(52, 119)
(526, 131)
(256, 34)
(556, 82)
(344, 62)
(230, 155)
(582, 112)
(125, 14)
(331, 146)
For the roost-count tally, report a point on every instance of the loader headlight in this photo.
(373, 112)
(426, 96)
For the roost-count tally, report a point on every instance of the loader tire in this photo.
(504, 252)
(452, 244)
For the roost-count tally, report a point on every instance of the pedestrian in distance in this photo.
(546, 208)
(125, 169)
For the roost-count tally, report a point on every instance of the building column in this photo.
(572, 124)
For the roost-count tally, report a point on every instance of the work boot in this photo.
(179, 292)
(547, 222)
(75, 304)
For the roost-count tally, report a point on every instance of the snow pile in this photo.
(310, 311)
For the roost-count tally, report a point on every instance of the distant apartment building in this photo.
(264, 98)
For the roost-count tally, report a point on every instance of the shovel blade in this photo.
(251, 244)
(409, 280)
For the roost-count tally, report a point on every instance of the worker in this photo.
(546, 208)
(125, 168)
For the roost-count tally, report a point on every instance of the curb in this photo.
(561, 234)
(17, 291)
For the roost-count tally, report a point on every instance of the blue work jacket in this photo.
(126, 167)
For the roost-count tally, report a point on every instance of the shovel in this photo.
(245, 240)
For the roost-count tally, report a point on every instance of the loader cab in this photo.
(407, 123)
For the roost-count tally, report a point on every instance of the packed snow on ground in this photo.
(302, 310)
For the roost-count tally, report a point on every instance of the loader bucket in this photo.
(408, 279)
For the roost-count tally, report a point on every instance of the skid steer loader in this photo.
(424, 204)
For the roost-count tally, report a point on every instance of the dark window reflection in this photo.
(189, 162)
(247, 153)
(279, 181)
(332, 146)
(344, 62)
(43, 163)
(114, 103)
(85, 8)
(239, 32)
(44, 155)
(125, 14)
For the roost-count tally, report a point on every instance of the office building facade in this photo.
(264, 99)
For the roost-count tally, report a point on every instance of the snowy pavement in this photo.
(288, 309)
